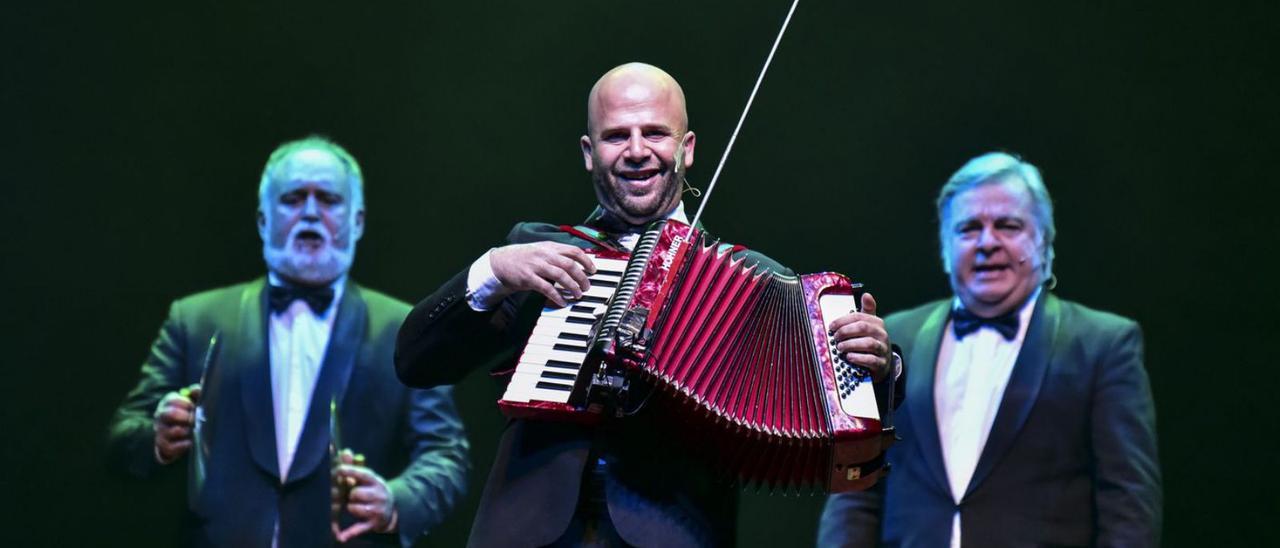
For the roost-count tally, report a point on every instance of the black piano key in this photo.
(586, 320)
(557, 375)
(593, 299)
(574, 337)
(569, 348)
(582, 309)
(554, 386)
(603, 282)
(563, 364)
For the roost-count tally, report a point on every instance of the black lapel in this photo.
(923, 362)
(1023, 387)
(250, 351)
(335, 373)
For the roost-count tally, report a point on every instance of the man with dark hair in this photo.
(627, 481)
(251, 384)
(1029, 419)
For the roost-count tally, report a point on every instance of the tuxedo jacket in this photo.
(657, 495)
(412, 438)
(1070, 461)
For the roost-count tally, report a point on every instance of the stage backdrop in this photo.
(134, 136)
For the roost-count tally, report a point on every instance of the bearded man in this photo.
(250, 383)
(627, 481)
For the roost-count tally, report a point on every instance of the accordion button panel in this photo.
(857, 397)
(557, 347)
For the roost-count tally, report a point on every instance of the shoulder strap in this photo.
(594, 236)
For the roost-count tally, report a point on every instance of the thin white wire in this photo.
(743, 118)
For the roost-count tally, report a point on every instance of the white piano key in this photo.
(517, 392)
(522, 384)
(537, 377)
(616, 265)
(594, 291)
(600, 291)
(535, 362)
(579, 335)
(543, 350)
(551, 326)
(552, 340)
(561, 313)
(529, 385)
(556, 396)
(544, 353)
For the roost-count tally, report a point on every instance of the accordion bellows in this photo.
(739, 356)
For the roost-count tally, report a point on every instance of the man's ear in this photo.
(585, 143)
(687, 143)
(357, 225)
(262, 225)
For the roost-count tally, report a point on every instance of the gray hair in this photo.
(314, 142)
(997, 167)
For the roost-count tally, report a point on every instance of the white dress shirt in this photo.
(968, 386)
(298, 339)
(484, 291)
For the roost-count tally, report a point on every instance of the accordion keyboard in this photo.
(740, 358)
(553, 357)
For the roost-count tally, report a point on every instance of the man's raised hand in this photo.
(541, 267)
(862, 339)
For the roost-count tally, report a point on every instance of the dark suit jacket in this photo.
(1070, 460)
(413, 438)
(656, 493)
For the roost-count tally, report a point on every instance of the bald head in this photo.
(638, 142)
(634, 83)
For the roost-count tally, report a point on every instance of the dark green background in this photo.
(133, 138)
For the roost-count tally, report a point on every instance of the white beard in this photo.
(310, 269)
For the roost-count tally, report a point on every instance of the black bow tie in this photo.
(318, 298)
(965, 322)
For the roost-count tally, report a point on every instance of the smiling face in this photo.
(993, 248)
(638, 142)
(308, 220)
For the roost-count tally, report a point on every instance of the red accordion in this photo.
(741, 354)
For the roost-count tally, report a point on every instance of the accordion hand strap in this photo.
(594, 236)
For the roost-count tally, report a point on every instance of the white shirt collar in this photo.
(677, 214)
